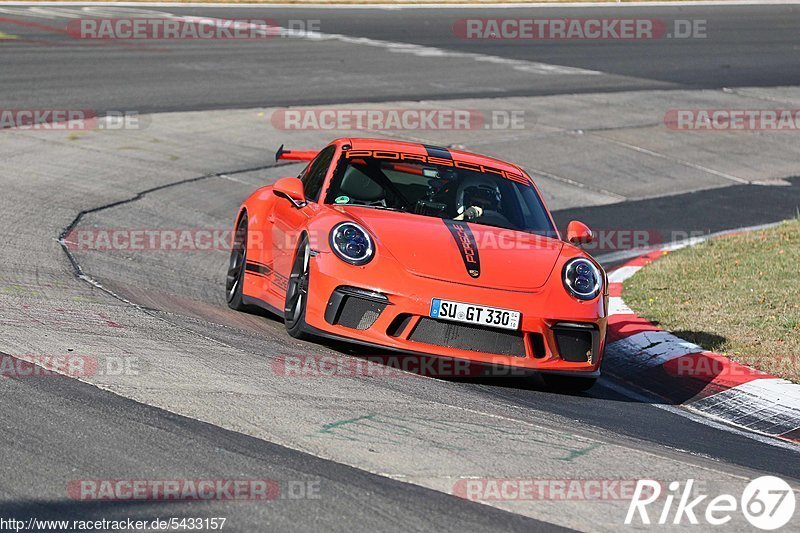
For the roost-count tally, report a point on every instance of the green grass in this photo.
(737, 295)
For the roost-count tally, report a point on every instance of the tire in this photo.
(558, 383)
(234, 281)
(294, 309)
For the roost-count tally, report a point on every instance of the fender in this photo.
(259, 206)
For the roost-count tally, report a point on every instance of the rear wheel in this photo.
(559, 383)
(236, 266)
(297, 292)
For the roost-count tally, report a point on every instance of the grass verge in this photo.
(737, 295)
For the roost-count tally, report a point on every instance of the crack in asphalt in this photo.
(138, 196)
(81, 274)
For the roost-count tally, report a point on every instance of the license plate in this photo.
(474, 314)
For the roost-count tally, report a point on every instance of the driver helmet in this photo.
(479, 192)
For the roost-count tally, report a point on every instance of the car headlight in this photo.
(582, 278)
(352, 243)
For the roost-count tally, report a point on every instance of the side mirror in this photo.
(291, 189)
(579, 233)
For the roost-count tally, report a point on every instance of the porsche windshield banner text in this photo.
(433, 160)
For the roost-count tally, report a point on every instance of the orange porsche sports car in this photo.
(424, 250)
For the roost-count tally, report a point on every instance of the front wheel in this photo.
(297, 292)
(558, 383)
(236, 266)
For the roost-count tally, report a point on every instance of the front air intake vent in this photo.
(468, 337)
(354, 308)
(576, 342)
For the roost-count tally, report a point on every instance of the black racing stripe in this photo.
(259, 263)
(438, 151)
(258, 269)
(465, 241)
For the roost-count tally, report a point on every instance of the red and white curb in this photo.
(681, 372)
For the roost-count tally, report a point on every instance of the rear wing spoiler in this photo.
(295, 155)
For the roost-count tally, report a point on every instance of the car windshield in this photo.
(477, 194)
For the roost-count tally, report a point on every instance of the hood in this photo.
(461, 252)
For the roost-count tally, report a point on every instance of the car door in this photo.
(289, 220)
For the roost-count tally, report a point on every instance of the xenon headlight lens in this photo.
(582, 279)
(352, 243)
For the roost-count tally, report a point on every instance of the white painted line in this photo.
(617, 307)
(538, 173)
(623, 255)
(531, 67)
(460, 5)
(766, 390)
(671, 247)
(647, 349)
(700, 418)
(701, 168)
(621, 274)
(768, 405)
(520, 65)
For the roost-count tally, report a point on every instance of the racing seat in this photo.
(361, 188)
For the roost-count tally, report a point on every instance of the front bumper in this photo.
(387, 306)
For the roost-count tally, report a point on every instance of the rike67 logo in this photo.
(767, 502)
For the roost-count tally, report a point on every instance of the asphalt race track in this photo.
(201, 394)
(746, 46)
